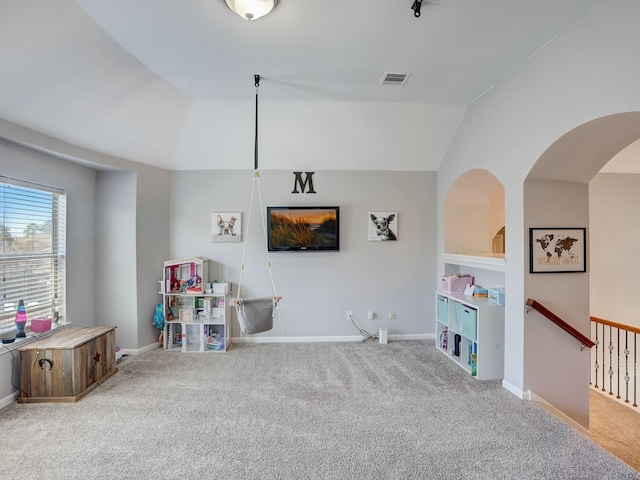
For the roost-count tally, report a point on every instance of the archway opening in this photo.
(557, 195)
(474, 215)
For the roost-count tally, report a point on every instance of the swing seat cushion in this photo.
(255, 315)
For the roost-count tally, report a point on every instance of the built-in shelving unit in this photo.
(470, 331)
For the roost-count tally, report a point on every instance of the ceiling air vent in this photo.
(394, 79)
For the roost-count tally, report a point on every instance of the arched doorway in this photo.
(556, 194)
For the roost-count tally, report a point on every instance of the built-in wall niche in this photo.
(474, 216)
(497, 244)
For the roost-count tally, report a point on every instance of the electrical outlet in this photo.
(349, 314)
(371, 315)
(392, 314)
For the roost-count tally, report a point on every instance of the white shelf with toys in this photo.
(196, 312)
(470, 331)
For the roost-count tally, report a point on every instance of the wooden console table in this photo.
(67, 365)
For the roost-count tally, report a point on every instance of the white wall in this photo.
(304, 135)
(615, 229)
(133, 240)
(555, 367)
(152, 246)
(319, 287)
(79, 183)
(114, 283)
(116, 277)
(586, 72)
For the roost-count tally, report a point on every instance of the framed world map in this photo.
(557, 250)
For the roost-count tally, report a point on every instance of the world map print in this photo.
(557, 250)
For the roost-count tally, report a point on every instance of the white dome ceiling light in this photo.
(251, 9)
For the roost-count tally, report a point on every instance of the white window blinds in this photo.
(32, 250)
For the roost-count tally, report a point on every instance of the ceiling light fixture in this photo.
(251, 9)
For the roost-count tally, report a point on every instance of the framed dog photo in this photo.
(557, 250)
(383, 226)
(226, 227)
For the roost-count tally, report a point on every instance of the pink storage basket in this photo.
(455, 284)
(39, 325)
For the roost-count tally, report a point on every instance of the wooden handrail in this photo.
(586, 341)
(620, 326)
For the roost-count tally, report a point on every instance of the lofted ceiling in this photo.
(170, 82)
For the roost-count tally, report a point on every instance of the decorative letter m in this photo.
(308, 181)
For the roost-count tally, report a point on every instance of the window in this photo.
(32, 249)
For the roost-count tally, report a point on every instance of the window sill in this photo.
(32, 337)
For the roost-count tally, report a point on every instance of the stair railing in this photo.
(615, 344)
(606, 332)
(583, 339)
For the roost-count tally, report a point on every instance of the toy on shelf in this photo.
(21, 320)
(196, 312)
(158, 321)
(194, 285)
(175, 286)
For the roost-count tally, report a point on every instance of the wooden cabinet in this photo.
(470, 331)
(67, 365)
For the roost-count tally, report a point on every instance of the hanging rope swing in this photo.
(255, 315)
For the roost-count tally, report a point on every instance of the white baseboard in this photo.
(562, 416)
(9, 399)
(320, 339)
(413, 336)
(529, 395)
(138, 351)
(516, 391)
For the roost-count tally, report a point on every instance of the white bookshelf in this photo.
(472, 326)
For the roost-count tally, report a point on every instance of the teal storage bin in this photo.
(468, 320)
(443, 310)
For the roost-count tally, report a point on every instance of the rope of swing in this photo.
(256, 182)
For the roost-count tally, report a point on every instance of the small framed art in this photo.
(226, 227)
(557, 250)
(383, 226)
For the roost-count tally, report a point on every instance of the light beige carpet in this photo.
(297, 411)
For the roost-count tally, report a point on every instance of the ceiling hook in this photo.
(417, 4)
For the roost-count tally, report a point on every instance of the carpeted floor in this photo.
(294, 411)
(615, 426)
